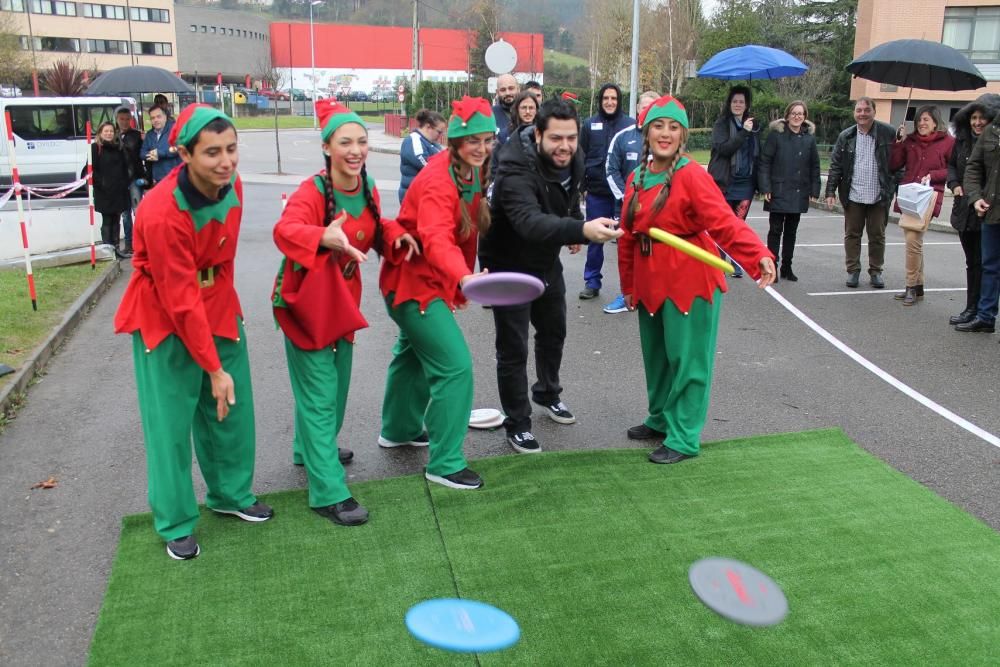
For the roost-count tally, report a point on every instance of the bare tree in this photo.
(274, 78)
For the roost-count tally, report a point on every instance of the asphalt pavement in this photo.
(773, 374)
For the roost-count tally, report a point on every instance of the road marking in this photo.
(883, 375)
(841, 245)
(884, 291)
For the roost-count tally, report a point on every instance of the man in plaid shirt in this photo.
(860, 176)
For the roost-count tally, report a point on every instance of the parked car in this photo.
(296, 94)
(380, 96)
(272, 94)
(357, 96)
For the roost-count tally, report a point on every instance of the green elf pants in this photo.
(320, 379)
(430, 372)
(678, 352)
(175, 400)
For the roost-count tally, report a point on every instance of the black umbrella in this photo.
(138, 79)
(918, 63)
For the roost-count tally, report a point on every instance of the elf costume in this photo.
(678, 297)
(319, 344)
(185, 319)
(430, 376)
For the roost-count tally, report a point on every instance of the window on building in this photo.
(64, 44)
(975, 31)
(212, 29)
(107, 46)
(230, 32)
(54, 7)
(92, 11)
(194, 28)
(12, 5)
(204, 28)
(153, 48)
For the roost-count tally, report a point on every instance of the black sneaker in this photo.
(255, 513)
(347, 512)
(344, 455)
(184, 548)
(559, 413)
(663, 454)
(421, 440)
(463, 479)
(643, 432)
(588, 293)
(524, 442)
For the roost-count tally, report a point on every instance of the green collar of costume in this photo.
(218, 210)
(338, 119)
(200, 117)
(651, 178)
(467, 189)
(353, 203)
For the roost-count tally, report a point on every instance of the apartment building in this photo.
(971, 26)
(99, 35)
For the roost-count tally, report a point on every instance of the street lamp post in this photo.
(312, 51)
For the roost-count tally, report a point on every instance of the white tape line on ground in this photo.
(883, 291)
(881, 374)
(841, 245)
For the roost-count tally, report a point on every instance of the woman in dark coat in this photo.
(969, 123)
(735, 147)
(788, 175)
(111, 196)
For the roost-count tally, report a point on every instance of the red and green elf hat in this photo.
(332, 114)
(193, 120)
(665, 107)
(470, 115)
(571, 97)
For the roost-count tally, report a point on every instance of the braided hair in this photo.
(483, 214)
(638, 182)
(331, 202)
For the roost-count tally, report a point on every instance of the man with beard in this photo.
(595, 139)
(507, 90)
(535, 212)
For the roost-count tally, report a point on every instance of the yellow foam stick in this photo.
(691, 249)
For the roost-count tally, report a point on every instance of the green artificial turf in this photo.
(589, 551)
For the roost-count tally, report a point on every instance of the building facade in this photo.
(96, 35)
(971, 26)
(213, 41)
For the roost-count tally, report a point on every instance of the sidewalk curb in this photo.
(11, 393)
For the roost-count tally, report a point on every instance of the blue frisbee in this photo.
(462, 626)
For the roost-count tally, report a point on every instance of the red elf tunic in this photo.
(300, 229)
(432, 214)
(182, 281)
(696, 211)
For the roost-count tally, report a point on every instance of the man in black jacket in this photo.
(535, 212)
(131, 142)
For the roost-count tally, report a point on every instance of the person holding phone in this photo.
(156, 148)
(735, 147)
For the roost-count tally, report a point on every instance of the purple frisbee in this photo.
(505, 288)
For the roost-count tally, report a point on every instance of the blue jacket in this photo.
(595, 141)
(623, 157)
(413, 156)
(502, 117)
(166, 160)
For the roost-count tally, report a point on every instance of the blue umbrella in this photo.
(752, 62)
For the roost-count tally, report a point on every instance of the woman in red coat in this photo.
(924, 154)
(327, 229)
(430, 377)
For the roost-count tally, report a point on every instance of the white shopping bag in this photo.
(915, 199)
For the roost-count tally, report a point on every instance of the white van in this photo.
(50, 135)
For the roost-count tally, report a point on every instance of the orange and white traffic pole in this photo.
(15, 182)
(90, 197)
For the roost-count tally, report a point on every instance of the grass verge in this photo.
(23, 329)
(589, 551)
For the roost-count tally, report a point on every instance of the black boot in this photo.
(971, 299)
(966, 315)
(919, 293)
(786, 272)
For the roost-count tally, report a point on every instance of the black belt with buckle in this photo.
(206, 276)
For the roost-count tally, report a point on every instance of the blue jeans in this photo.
(990, 286)
(135, 195)
(598, 206)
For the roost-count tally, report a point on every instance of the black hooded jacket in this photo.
(595, 139)
(533, 215)
(962, 216)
